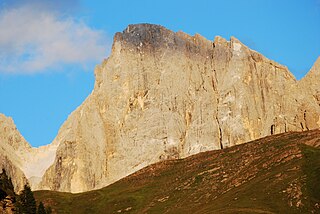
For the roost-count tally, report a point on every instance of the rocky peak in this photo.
(145, 35)
(218, 40)
(315, 71)
(19, 159)
(310, 82)
(12, 146)
(165, 95)
(10, 134)
(155, 38)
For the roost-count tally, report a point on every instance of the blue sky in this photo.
(48, 49)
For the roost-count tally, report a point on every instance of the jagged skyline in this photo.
(284, 31)
(137, 114)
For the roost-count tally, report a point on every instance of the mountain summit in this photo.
(164, 95)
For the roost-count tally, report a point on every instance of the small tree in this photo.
(27, 203)
(6, 189)
(41, 209)
(6, 185)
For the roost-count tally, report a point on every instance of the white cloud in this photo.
(34, 41)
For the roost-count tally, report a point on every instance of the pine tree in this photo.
(6, 186)
(27, 203)
(41, 209)
(7, 191)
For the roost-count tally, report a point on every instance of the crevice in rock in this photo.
(214, 82)
(272, 131)
(220, 134)
(218, 122)
(305, 119)
(301, 126)
(217, 112)
(285, 127)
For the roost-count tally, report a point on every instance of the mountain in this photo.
(275, 174)
(12, 145)
(21, 161)
(309, 82)
(165, 95)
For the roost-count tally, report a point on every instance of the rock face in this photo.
(278, 169)
(165, 95)
(19, 159)
(12, 144)
(310, 83)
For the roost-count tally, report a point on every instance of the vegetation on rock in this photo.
(23, 203)
(276, 174)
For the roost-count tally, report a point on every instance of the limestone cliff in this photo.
(19, 159)
(165, 95)
(11, 145)
(310, 83)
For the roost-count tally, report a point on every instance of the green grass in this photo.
(249, 178)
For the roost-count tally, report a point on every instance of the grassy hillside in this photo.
(276, 174)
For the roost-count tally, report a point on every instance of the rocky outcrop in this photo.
(12, 144)
(165, 95)
(310, 83)
(14, 172)
(22, 162)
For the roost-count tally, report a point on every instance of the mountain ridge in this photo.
(164, 95)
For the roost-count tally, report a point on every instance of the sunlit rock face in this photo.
(22, 163)
(165, 95)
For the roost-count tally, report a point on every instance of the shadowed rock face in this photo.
(164, 95)
(145, 35)
(155, 38)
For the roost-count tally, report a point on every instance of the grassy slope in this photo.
(277, 174)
